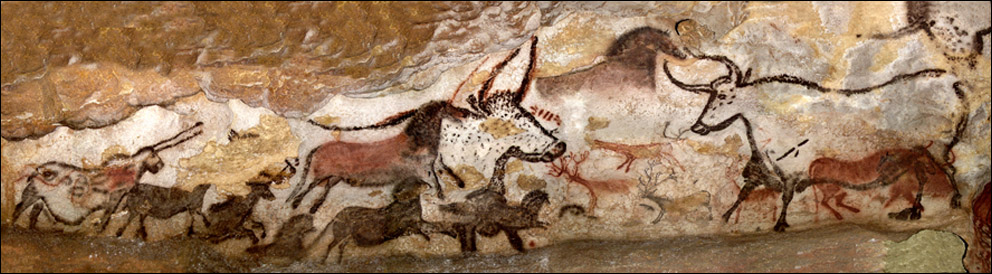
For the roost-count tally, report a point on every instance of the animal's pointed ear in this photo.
(476, 105)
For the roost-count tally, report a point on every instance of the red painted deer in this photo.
(68, 194)
(635, 152)
(924, 176)
(735, 98)
(568, 167)
(437, 134)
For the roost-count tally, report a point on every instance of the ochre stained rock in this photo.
(8, 181)
(85, 96)
(294, 57)
(230, 166)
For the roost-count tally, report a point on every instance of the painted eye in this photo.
(48, 175)
(721, 97)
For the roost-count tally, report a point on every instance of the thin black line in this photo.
(786, 154)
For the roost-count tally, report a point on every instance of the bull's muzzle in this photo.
(554, 153)
(701, 129)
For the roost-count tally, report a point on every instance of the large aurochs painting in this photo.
(449, 128)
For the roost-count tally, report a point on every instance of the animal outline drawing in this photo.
(68, 193)
(436, 131)
(761, 169)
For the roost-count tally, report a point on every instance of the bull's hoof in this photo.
(726, 216)
(780, 227)
(908, 214)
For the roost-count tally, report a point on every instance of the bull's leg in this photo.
(745, 191)
(28, 198)
(787, 193)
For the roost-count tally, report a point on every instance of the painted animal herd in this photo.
(438, 135)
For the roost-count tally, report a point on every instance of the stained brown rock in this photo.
(289, 57)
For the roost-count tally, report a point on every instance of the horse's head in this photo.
(721, 92)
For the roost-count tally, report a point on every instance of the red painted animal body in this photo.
(573, 174)
(916, 164)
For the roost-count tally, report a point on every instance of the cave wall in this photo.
(491, 127)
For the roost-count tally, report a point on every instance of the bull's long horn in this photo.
(735, 72)
(181, 137)
(687, 87)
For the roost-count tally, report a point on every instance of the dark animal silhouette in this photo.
(761, 169)
(69, 193)
(227, 219)
(435, 130)
(374, 226)
(161, 203)
(488, 213)
(288, 244)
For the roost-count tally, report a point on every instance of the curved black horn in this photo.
(181, 137)
(734, 71)
(687, 87)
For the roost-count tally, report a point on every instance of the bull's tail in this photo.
(388, 122)
(296, 196)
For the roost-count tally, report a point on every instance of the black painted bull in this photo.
(776, 162)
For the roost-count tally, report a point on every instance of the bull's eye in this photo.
(721, 97)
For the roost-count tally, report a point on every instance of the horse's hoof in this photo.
(956, 201)
(781, 227)
(908, 214)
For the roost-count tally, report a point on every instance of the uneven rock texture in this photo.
(493, 128)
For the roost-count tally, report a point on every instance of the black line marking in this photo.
(803, 142)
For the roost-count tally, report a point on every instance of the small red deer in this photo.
(437, 134)
(635, 152)
(928, 177)
(572, 174)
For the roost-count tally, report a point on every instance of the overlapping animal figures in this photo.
(496, 128)
(832, 177)
(68, 194)
(436, 135)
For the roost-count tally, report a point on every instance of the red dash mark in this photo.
(532, 244)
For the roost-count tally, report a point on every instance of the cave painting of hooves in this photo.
(495, 164)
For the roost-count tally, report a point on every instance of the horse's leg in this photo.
(826, 204)
(130, 218)
(745, 191)
(515, 241)
(141, 228)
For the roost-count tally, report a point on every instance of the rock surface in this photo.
(494, 128)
